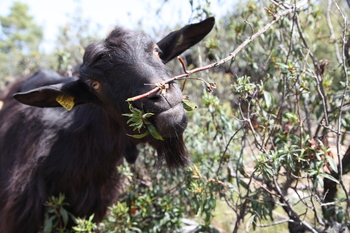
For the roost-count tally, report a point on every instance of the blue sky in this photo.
(107, 13)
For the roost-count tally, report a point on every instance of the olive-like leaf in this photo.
(332, 163)
(154, 132)
(188, 106)
(139, 136)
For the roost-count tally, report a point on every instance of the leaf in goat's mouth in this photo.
(139, 120)
(188, 106)
(154, 132)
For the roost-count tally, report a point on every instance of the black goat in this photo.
(46, 150)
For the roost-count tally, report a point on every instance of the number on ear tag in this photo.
(66, 101)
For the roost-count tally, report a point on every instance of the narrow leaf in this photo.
(332, 163)
(139, 136)
(249, 223)
(268, 99)
(64, 215)
(330, 177)
(154, 132)
(48, 225)
(188, 106)
(147, 115)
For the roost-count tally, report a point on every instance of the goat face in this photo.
(126, 64)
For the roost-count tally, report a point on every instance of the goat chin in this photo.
(172, 122)
(174, 152)
(171, 125)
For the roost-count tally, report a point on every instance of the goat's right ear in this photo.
(64, 95)
(178, 41)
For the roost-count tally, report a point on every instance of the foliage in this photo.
(57, 218)
(149, 204)
(283, 97)
(20, 38)
(138, 119)
(72, 39)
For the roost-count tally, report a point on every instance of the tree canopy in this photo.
(19, 42)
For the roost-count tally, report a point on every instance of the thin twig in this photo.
(226, 149)
(331, 31)
(185, 70)
(275, 223)
(318, 77)
(289, 209)
(260, 185)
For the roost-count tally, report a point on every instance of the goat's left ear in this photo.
(65, 95)
(178, 41)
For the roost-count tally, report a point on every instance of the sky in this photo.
(107, 13)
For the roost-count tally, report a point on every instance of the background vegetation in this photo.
(268, 145)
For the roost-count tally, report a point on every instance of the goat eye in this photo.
(95, 85)
(157, 52)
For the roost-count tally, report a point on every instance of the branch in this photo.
(317, 74)
(331, 31)
(342, 100)
(232, 55)
(293, 215)
(260, 185)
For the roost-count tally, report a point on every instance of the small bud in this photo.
(209, 87)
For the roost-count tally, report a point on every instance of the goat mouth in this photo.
(171, 122)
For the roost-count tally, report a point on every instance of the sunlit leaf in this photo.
(188, 105)
(250, 222)
(330, 177)
(268, 99)
(332, 163)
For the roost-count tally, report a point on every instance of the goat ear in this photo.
(66, 94)
(178, 41)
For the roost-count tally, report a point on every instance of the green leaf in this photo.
(282, 65)
(188, 105)
(64, 215)
(154, 132)
(147, 115)
(332, 163)
(330, 177)
(139, 136)
(267, 98)
(244, 184)
(250, 222)
(318, 182)
(48, 225)
(292, 117)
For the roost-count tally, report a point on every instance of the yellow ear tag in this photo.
(66, 101)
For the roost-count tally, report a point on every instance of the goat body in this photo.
(46, 150)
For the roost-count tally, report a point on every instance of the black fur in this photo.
(46, 150)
